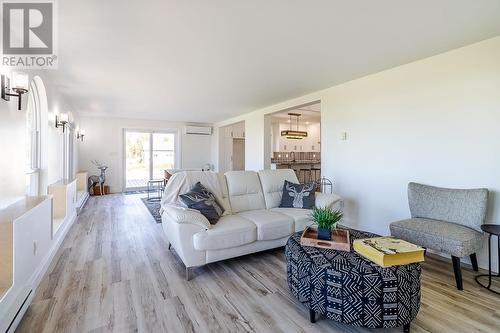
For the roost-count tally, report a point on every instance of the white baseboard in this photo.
(59, 238)
(81, 202)
(40, 272)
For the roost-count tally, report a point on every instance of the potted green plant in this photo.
(326, 219)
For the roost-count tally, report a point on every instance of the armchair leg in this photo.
(458, 272)
(473, 260)
(169, 245)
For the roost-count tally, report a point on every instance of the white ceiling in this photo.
(209, 60)
(310, 113)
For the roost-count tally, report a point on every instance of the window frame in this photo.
(151, 132)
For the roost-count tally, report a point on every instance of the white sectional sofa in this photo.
(252, 221)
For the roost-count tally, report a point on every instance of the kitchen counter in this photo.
(296, 162)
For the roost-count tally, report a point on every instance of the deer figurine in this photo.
(298, 197)
(94, 179)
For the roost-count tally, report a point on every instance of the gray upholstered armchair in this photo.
(446, 220)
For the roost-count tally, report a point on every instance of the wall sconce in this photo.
(62, 120)
(20, 83)
(80, 134)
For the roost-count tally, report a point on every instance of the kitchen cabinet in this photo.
(231, 132)
(308, 144)
(238, 130)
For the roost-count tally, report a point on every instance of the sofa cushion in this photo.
(272, 184)
(270, 225)
(451, 238)
(301, 217)
(245, 191)
(230, 231)
(298, 195)
(204, 201)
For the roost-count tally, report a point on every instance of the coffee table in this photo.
(350, 289)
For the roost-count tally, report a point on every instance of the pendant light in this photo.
(291, 134)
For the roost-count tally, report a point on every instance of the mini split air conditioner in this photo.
(198, 130)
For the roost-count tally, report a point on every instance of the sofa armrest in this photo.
(180, 235)
(183, 215)
(329, 200)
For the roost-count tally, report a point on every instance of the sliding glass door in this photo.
(147, 154)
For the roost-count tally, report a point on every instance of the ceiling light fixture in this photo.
(20, 83)
(62, 120)
(291, 134)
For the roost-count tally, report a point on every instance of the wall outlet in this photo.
(343, 136)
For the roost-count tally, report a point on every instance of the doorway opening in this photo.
(294, 137)
(232, 147)
(147, 154)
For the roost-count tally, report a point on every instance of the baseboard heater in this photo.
(19, 311)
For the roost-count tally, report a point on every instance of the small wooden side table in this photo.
(490, 229)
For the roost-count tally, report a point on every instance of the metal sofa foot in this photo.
(189, 273)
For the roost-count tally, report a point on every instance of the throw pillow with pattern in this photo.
(204, 201)
(298, 195)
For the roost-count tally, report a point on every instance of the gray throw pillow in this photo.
(298, 196)
(201, 199)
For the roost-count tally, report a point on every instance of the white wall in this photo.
(104, 143)
(13, 144)
(435, 121)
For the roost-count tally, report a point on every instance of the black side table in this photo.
(157, 185)
(491, 229)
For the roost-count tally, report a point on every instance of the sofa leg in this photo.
(189, 273)
(473, 260)
(458, 272)
(169, 245)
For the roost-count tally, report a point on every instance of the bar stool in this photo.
(316, 174)
(306, 175)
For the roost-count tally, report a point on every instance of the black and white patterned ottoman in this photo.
(348, 288)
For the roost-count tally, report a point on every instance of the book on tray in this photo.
(388, 251)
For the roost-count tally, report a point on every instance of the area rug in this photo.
(153, 206)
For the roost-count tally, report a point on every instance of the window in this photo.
(147, 155)
(33, 121)
(68, 153)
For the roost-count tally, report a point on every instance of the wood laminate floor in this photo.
(113, 273)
